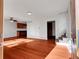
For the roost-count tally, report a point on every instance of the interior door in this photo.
(51, 29)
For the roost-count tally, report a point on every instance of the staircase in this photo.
(62, 36)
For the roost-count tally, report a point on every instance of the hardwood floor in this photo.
(27, 49)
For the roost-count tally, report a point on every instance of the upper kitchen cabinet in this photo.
(21, 25)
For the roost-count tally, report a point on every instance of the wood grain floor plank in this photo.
(37, 49)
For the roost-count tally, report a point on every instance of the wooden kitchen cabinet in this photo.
(21, 30)
(21, 26)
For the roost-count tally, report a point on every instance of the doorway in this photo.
(51, 29)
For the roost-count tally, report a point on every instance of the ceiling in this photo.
(19, 8)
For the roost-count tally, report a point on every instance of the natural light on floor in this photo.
(12, 43)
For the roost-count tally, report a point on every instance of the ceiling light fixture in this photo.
(29, 13)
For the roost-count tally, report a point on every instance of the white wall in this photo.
(33, 29)
(9, 29)
(38, 27)
(61, 24)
